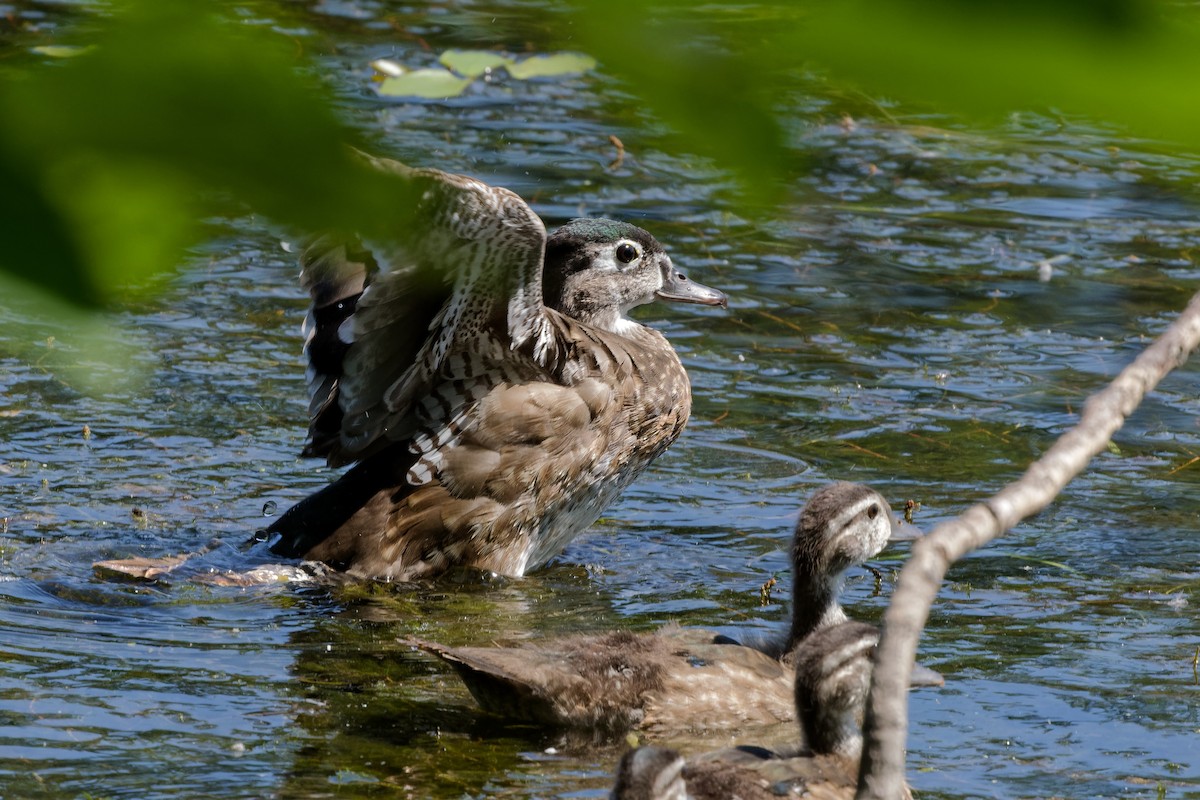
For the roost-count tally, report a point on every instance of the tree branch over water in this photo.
(886, 722)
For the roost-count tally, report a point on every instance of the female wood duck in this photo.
(833, 678)
(679, 679)
(488, 385)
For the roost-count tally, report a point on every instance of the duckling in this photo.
(679, 679)
(841, 526)
(650, 773)
(485, 382)
(833, 678)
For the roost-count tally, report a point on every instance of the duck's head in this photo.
(833, 678)
(596, 270)
(650, 773)
(842, 525)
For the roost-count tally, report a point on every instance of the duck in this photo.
(833, 678)
(679, 679)
(483, 382)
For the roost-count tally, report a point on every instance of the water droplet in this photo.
(269, 508)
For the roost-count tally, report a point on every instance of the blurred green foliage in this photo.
(1134, 63)
(721, 75)
(179, 109)
(110, 158)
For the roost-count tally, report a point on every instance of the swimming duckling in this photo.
(678, 679)
(833, 678)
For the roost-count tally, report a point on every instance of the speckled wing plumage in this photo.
(335, 271)
(668, 682)
(402, 349)
(720, 776)
(588, 687)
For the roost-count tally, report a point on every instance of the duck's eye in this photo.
(873, 511)
(626, 252)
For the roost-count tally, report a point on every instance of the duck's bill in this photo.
(904, 531)
(679, 288)
(924, 676)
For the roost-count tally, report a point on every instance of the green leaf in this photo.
(40, 247)
(1123, 61)
(134, 218)
(433, 84)
(473, 63)
(724, 76)
(714, 78)
(551, 66)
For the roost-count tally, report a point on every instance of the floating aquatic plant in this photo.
(462, 67)
(552, 66)
(430, 83)
(473, 63)
(61, 50)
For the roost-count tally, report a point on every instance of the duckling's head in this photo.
(842, 524)
(833, 678)
(650, 773)
(596, 270)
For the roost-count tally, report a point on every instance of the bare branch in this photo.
(886, 723)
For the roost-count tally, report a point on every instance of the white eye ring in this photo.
(627, 253)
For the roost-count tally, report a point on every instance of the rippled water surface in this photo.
(890, 322)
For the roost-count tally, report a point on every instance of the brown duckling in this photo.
(650, 773)
(484, 380)
(678, 679)
(833, 678)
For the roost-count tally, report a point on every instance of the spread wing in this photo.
(404, 333)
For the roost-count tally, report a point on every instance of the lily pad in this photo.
(427, 83)
(62, 50)
(473, 63)
(551, 66)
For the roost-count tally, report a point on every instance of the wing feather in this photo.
(334, 269)
(445, 304)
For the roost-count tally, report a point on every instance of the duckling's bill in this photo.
(904, 531)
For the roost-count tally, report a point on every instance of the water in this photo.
(887, 324)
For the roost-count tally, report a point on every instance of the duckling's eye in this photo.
(873, 511)
(626, 252)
